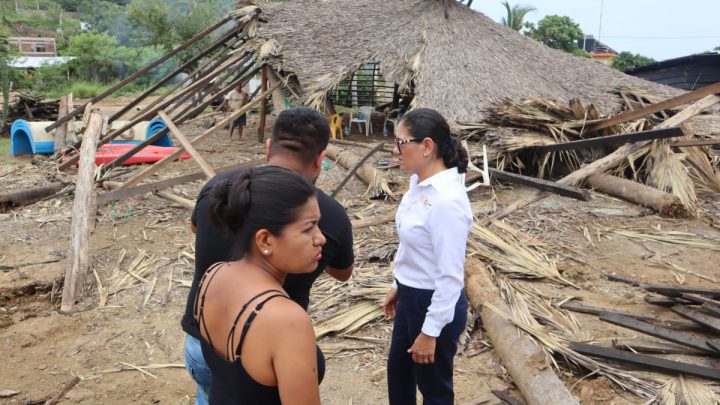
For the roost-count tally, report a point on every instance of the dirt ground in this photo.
(43, 349)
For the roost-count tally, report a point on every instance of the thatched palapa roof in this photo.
(460, 65)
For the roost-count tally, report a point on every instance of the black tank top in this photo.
(231, 384)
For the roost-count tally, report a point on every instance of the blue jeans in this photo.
(435, 381)
(198, 369)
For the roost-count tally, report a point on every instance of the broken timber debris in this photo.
(652, 134)
(646, 196)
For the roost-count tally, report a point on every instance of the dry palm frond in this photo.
(673, 238)
(667, 172)
(351, 319)
(702, 171)
(685, 391)
(142, 265)
(269, 48)
(509, 254)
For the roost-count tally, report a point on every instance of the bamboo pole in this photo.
(522, 357)
(141, 72)
(83, 217)
(603, 164)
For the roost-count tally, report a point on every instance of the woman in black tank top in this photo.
(260, 345)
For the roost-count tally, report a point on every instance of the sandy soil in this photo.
(43, 349)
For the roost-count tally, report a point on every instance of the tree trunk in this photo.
(659, 201)
(378, 184)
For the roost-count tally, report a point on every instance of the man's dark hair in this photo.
(301, 131)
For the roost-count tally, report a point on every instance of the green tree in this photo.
(629, 60)
(515, 15)
(558, 32)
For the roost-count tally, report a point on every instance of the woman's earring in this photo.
(266, 252)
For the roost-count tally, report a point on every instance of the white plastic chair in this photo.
(394, 120)
(485, 172)
(364, 117)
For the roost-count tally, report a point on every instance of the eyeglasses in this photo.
(399, 142)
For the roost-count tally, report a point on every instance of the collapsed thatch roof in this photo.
(460, 65)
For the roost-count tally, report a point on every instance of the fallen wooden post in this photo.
(83, 217)
(657, 331)
(655, 108)
(603, 164)
(648, 362)
(540, 184)
(646, 196)
(118, 195)
(204, 166)
(585, 309)
(157, 166)
(378, 185)
(28, 196)
(653, 134)
(522, 357)
(373, 221)
(355, 168)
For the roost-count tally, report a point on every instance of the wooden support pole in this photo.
(603, 164)
(141, 72)
(659, 201)
(657, 107)
(62, 130)
(187, 145)
(83, 217)
(521, 356)
(540, 184)
(378, 183)
(157, 166)
(263, 104)
(355, 168)
(277, 96)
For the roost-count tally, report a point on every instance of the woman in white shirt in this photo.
(427, 299)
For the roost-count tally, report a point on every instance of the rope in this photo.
(113, 213)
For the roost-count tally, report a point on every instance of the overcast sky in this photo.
(660, 29)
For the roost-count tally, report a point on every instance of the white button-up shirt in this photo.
(433, 222)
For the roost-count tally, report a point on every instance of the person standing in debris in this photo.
(427, 300)
(235, 100)
(259, 344)
(298, 141)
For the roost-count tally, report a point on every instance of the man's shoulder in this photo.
(329, 207)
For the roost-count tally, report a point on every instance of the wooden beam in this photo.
(659, 201)
(712, 309)
(700, 299)
(27, 196)
(665, 302)
(62, 131)
(647, 362)
(649, 346)
(697, 316)
(187, 145)
(603, 164)
(657, 107)
(540, 184)
(170, 196)
(118, 195)
(676, 291)
(355, 168)
(141, 72)
(523, 358)
(278, 99)
(83, 217)
(586, 309)
(656, 331)
(652, 134)
(263, 105)
(696, 142)
(157, 166)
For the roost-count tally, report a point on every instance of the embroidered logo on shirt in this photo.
(425, 201)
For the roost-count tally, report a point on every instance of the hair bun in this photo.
(231, 201)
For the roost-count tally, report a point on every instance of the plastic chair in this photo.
(394, 120)
(363, 117)
(336, 126)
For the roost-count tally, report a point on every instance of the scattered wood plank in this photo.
(700, 299)
(118, 195)
(676, 291)
(187, 145)
(586, 309)
(646, 196)
(522, 357)
(83, 217)
(603, 164)
(648, 346)
(62, 130)
(355, 168)
(665, 302)
(170, 196)
(697, 316)
(540, 184)
(28, 196)
(649, 362)
(652, 134)
(657, 107)
(712, 309)
(656, 331)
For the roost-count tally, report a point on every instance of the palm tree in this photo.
(515, 15)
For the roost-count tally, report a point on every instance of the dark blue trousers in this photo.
(435, 381)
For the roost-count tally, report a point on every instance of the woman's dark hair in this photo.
(266, 197)
(428, 123)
